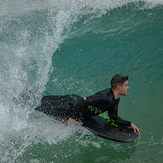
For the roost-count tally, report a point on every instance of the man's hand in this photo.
(72, 122)
(135, 128)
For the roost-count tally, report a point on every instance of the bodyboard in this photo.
(100, 127)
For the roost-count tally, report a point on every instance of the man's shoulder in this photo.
(106, 91)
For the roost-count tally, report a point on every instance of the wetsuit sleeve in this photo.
(113, 114)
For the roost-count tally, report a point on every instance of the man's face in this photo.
(124, 88)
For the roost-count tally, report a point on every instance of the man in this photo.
(74, 107)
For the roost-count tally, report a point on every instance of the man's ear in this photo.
(118, 87)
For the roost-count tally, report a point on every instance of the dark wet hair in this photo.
(118, 80)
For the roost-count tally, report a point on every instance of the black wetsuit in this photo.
(77, 107)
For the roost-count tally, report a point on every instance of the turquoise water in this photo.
(61, 47)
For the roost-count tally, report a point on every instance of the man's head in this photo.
(119, 83)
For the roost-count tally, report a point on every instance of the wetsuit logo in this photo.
(96, 111)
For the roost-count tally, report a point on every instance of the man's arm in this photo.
(113, 113)
(119, 121)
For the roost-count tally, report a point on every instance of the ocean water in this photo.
(76, 46)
